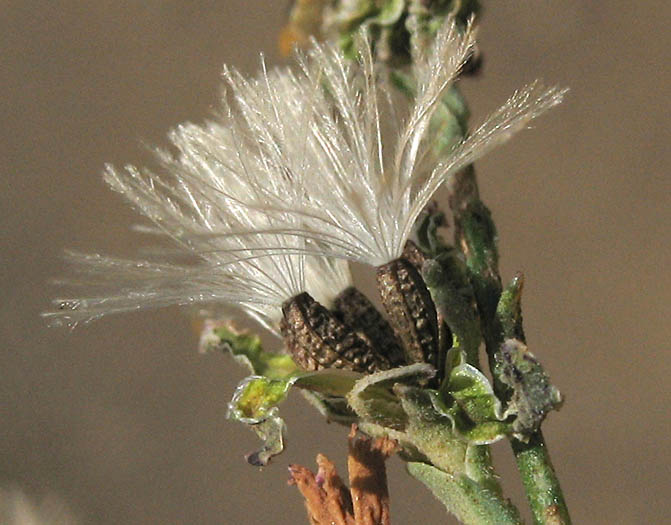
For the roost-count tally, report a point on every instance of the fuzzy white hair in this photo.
(360, 190)
(197, 202)
(293, 173)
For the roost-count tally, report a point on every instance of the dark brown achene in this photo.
(358, 312)
(317, 339)
(417, 258)
(411, 310)
(414, 255)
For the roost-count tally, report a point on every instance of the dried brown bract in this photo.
(327, 499)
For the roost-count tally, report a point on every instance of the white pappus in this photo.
(295, 176)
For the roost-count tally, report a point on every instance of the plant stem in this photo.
(476, 234)
(540, 481)
(464, 498)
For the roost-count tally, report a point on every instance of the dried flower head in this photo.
(360, 185)
(297, 174)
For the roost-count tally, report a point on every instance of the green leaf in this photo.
(474, 394)
(256, 400)
(334, 409)
(485, 433)
(330, 381)
(480, 237)
(475, 233)
(432, 431)
(471, 502)
(481, 420)
(256, 397)
(373, 400)
(509, 309)
(247, 350)
(255, 403)
(447, 280)
(421, 419)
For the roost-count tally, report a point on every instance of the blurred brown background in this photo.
(125, 421)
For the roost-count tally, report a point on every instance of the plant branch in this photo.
(476, 234)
